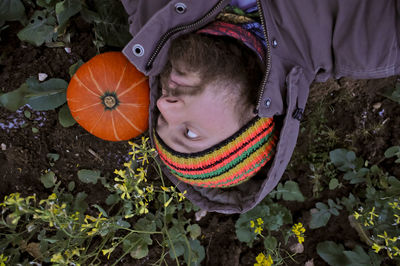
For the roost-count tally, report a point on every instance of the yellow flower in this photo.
(397, 218)
(260, 258)
(258, 230)
(53, 196)
(260, 221)
(299, 231)
(143, 207)
(3, 259)
(397, 253)
(165, 189)
(150, 189)
(58, 258)
(141, 175)
(108, 251)
(394, 204)
(182, 195)
(125, 192)
(387, 238)
(252, 224)
(263, 261)
(372, 214)
(357, 215)
(168, 202)
(376, 247)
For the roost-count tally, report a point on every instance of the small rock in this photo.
(297, 248)
(3, 147)
(42, 76)
(200, 214)
(309, 263)
(377, 105)
(68, 50)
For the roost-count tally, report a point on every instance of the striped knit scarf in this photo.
(229, 163)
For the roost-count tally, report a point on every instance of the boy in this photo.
(304, 40)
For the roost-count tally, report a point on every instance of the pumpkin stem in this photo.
(110, 101)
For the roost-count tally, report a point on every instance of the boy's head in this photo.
(207, 133)
(209, 89)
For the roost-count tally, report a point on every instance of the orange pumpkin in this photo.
(109, 97)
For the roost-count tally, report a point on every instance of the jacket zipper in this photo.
(268, 69)
(177, 29)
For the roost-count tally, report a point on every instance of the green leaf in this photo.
(11, 10)
(14, 99)
(100, 209)
(66, 9)
(278, 216)
(89, 176)
(332, 253)
(71, 186)
(244, 232)
(39, 30)
(145, 224)
(53, 156)
(343, 159)
(35, 130)
(64, 116)
(270, 243)
(290, 191)
(392, 151)
(48, 179)
(80, 204)
(112, 199)
(357, 257)
(47, 95)
(176, 241)
(111, 23)
(333, 183)
(321, 217)
(137, 244)
(46, 3)
(195, 255)
(73, 68)
(393, 93)
(349, 202)
(194, 230)
(27, 114)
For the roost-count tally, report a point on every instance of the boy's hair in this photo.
(224, 60)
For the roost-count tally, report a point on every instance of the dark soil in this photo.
(350, 110)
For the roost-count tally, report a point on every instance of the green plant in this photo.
(376, 210)
(11, 10)
(393, 151)
(335, 254)
(269, 216)
(42, 96)
(62, 229)
(393, 93)
(346, 161)
(323, 213)
(289, 191)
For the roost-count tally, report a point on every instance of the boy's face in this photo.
(193, 117)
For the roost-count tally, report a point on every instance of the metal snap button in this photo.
(180, 8)
(274, 43)
(138, 50)
(267, 103)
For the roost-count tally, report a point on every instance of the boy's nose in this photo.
(171, 109)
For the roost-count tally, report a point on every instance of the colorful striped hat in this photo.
(230, 162)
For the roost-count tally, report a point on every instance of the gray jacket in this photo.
(308, 40)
